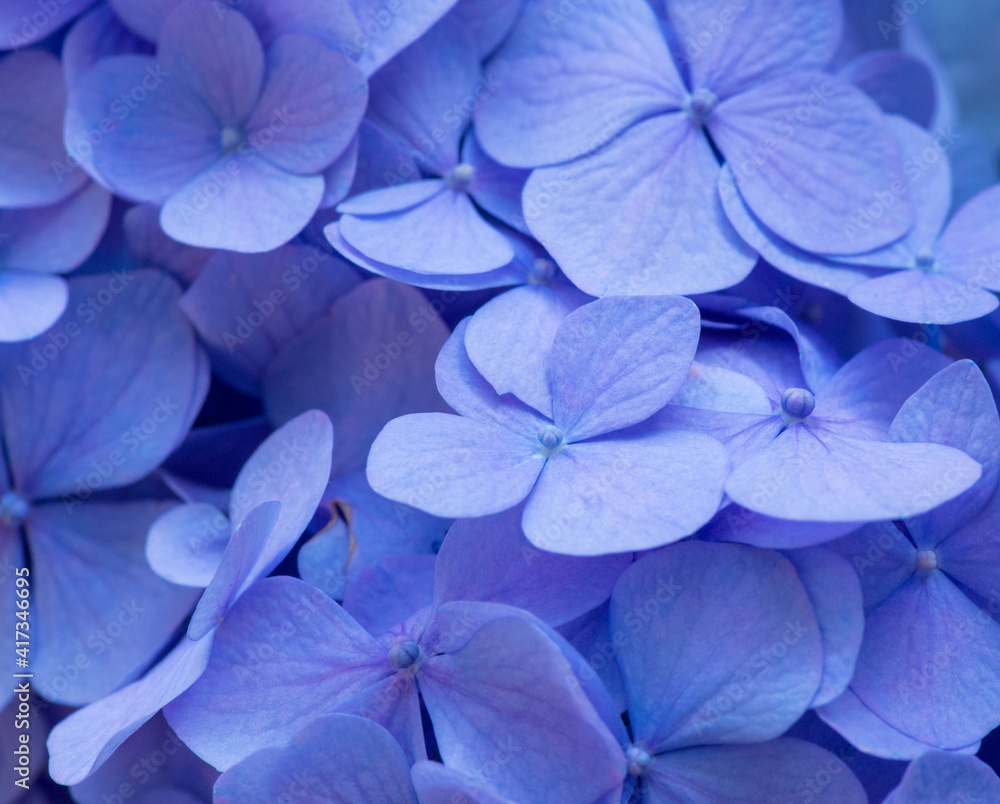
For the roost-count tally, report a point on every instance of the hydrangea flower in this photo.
(51, 214)
(937, 776)
(488, 674)
(99, 615)
(937, 273)
(930, 657)
(231, 139)
(571, 446)
(623, 129)
(272, 501)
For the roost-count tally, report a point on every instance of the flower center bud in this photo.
(551, 440)
(404, 654)
(541, 271)
(927, 560)
(13, 509)
(230, 139)
(460, 177)
(638, 760)
(700, 104)
(923, 260)
(797, 403)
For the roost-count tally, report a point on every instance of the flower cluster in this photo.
(495, 402)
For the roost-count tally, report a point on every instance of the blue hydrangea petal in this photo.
(776, 770)
(734, 523)
(57, 237)
(584, 502)
(19, 26)
(96, 597)
(381, 40)
(370, 766)
(615, 362)
(213, 52)
(30, 303)
(391, 591)
(600, 216)
(882, 557)
(150, 245)
(396, 198)
(973, 426)
(509, 340)
(467, 391)
(34, 95)
(292, 466)
(247, 307)
(281, 635)
(310, 105)
(835, 593)
(923, 298)
(794, 476)
(340, 175)
(462, 243)
(712, 387)
(117, 431)
(563, 90)
(489, 559)
(369, 360)
(155, 149)
(509, 690)
(808, 201)
(969, 243)
(97, 34)
(724, 633)
(928, 663)
(743, 435)
(84, 740)
(729, 48)
(898, 82)
(938, 776)
(495, 187)
(438, 784)
(451, 466)
(970, 553)
(235, 570)
(186, 545)
(242, 203)
(869, 733)
(145, 17)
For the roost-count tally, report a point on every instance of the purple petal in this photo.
(969, 243)
(923, 298)
(396, 198)
(381, 40)
(835, 593)
(391, 591)
(585, 501)
(615, 362)
(495, 188)
(728, 48)
(368, 361)
(304, 764)
(938, 776)
(214, 53)
(291, 466)
(19, 24)
(101, 614)
(489, 559)
(112, 433)
(818, 175)
(452, 466)
(882, 557)
(422, 96)
(509, 340)
(436, 784)
(444, 235)
(32, 100)
(151, 246)
(29, 304)
(235, 571)
(242, 203)
(777, 770)
(598, 216)
(58, 237)
(340, 175)
(509, 692)
(812, 475)
(97, 34)
(310, 106)
(84, 741)
(489, 21)
(186, 545)
(724, 633)
(898, 82)
(281, 637)
(559, 91)
(145, 17)
(928, 663)
(869, 733)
